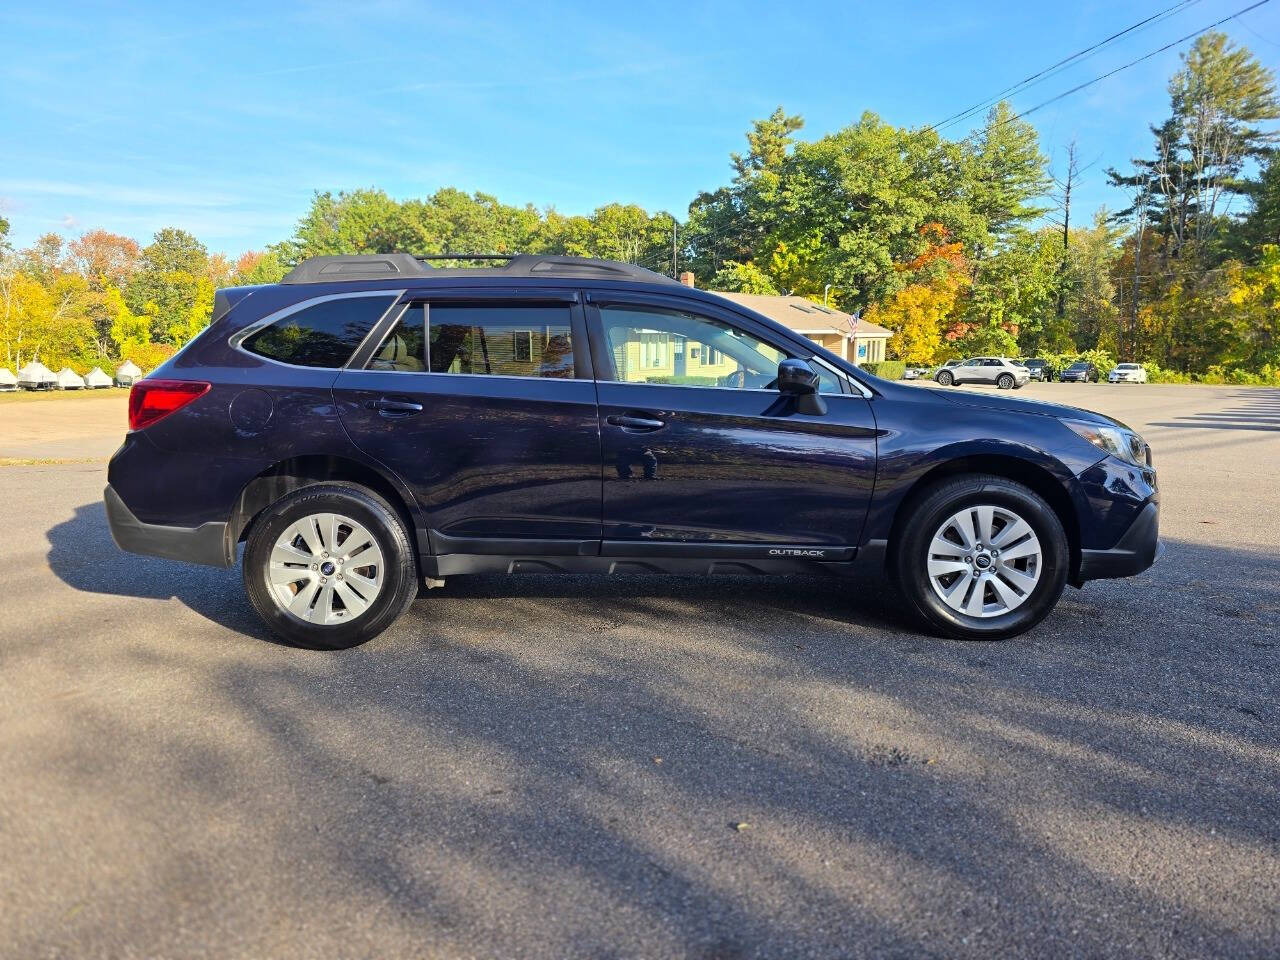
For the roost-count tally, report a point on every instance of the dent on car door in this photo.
(701, 451)
(486, 408)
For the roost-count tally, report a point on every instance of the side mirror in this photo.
(799, 380)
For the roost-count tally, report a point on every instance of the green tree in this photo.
(742, 278)
(1090, 315)
(167, 282)
(343, 223)
(721, 226)
(1005, 174)
(850, 206)
(1262, 225)
(259, 266)
(1219, 100)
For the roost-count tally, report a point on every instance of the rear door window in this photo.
(324, 334)
(505, 340)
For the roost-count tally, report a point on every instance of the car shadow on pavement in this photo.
(1252, 410)
(718, 769)
(83, 555)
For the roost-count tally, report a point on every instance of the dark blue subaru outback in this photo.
(374, 422)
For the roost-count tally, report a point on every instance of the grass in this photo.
(44, 396)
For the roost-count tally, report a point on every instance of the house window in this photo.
(522, 345)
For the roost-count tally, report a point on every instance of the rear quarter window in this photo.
(324, 334)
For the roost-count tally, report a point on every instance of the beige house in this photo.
(825, 326)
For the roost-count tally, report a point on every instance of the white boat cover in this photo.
(68, 379)
(7, 380)
(34, 374)
(96, 378)
(127, 372)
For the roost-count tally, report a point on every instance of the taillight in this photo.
(152, 400)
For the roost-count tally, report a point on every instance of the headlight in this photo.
(1120, 443)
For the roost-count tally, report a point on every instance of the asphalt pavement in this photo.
(651, 767)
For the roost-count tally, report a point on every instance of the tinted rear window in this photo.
(322, 335)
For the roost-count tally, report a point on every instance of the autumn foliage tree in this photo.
(919, 312)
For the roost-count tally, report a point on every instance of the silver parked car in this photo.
(998, 371)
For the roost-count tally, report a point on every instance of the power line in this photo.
(1055, 68)
(1134, 63)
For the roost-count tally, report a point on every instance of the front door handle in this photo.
(394, 408)
(635, 423)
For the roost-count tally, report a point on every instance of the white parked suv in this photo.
(1127, 373)
(1004, 373)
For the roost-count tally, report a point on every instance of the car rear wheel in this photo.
(982, 558)
(1005, 381)
(946, 378)
(329, 566)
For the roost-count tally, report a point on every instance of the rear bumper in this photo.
(207, 543)
(1135, 551)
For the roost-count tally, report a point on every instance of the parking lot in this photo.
(553, 767)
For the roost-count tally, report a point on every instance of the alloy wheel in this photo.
(325, 568)
(984, 561)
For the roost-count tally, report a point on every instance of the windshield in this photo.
(1078, 366)
(1127, 366)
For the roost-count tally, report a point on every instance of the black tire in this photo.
(946, 378)
(927, 514)
(1004, 381)
(400, 585)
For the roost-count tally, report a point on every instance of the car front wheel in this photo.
(982, 558)
(329, 566)
(946, 379)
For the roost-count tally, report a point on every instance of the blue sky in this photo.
(223, 118)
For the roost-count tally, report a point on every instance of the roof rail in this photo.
(395, 266)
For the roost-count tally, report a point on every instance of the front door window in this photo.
(672, 348)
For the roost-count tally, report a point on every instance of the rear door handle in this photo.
(635, 423)
(394, 408)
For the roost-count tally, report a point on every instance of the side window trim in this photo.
(236, 342)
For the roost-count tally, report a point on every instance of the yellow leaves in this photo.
(146, 355)
(1259, 285)
(797, 267)
(917, 313)
(127, 328)
(197, 315)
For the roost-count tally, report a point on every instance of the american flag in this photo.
(853, 321)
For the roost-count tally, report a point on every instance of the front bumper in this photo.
(1136, 550)
(207, 543)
